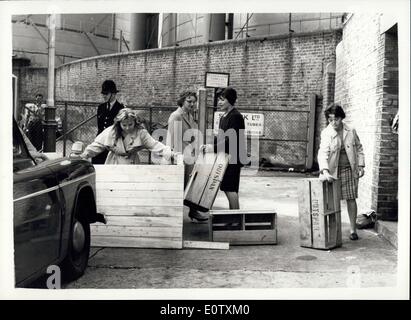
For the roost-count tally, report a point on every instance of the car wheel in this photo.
(76, 260)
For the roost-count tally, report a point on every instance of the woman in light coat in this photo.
(124, 139)
(341, 157)
(182, 136)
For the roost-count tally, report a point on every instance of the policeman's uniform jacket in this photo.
(105, 115)
(105, 119)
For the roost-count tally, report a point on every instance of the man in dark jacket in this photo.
(106, 112)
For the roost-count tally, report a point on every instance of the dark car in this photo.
(54, 204)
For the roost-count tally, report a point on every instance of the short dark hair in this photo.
(184, 95)
(230, 94)
(336, 110)
(39, 95)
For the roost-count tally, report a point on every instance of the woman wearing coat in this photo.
(124, 139)
(182, 136)
(341, 157)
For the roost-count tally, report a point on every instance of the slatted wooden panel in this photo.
(205, 180)
(319, 214)
(143, 206)
(243, 226)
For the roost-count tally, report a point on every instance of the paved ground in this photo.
(368, 262)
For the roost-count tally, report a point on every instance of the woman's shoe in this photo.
(354, 236)
(197, 216)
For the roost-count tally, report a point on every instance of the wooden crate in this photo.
(205, 180)
(243, 226)
(143, 205)
(319, 214)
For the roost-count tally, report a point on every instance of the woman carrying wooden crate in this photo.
(341, 157)
(231, 140)
(124, 139)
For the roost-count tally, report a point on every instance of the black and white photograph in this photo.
(198, 147)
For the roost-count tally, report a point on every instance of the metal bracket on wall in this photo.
(92, 43)
(125, 42)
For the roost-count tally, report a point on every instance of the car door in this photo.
(37, 212)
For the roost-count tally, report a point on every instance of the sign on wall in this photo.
(254, 123)
(217, 80)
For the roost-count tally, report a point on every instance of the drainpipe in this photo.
(50, 123)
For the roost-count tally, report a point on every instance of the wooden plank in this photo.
(316, 209)
(138, 242)
(206, 245)
(339, 231)
(132, 231)
(240, 211)
(123, 177)
(139, 202)
(141, 211)
(143, 186)
(236, 237)
(199, 177)
(332, 227)
(146, 170)
(304, 213)
(311, 132)
(139, 194)
(144, 221)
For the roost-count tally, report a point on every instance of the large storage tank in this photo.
(196, 28)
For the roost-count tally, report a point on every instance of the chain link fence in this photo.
(283, 143)
(77, 121)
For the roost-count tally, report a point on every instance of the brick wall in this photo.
(276, 72)
(30, 82)
(386, 149)
(362, 73)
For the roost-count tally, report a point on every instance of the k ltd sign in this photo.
(254, 123)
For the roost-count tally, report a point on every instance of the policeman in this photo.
(106, 112)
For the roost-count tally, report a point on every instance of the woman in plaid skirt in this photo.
(341, 157)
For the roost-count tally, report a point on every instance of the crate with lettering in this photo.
(243, 226)
(319, 214)
(205, 180)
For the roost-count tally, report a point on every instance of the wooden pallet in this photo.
(143, 206)
(244, 226)
(205, 180)
(319, 214)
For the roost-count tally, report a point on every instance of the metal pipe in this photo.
(120, 40)
(230, 26)
(50, 123)
(65, 129)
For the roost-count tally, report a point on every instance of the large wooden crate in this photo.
(143, 206)
(205, 180)
(244, 226)
(319, 214)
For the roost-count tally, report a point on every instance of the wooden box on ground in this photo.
(319, 214)
(243, 226)
(143, 206)
(205, 180)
